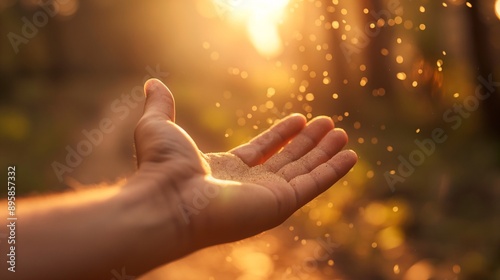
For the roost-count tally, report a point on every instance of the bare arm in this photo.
(180, 200)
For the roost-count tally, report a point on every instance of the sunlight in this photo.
(497, 8)
(261, 18)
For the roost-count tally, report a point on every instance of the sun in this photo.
(262, 19)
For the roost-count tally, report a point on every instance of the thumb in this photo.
(160, 102)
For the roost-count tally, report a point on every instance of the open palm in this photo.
(228, 196)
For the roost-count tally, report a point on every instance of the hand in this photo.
(224, 197)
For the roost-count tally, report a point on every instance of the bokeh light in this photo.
(388, 72)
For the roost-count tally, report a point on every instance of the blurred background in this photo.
(392, 73)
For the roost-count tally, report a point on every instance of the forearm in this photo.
(94, 234)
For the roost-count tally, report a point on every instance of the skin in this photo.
(180, 200)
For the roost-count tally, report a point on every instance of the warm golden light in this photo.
(262, 18)
(497, 8)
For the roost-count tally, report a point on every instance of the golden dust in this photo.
(309, 97)
(363, 81)
(335, 24)
(401, 76)
(396, 269)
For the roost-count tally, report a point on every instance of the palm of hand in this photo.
(229, 196)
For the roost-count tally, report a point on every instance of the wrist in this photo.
(159, 236)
